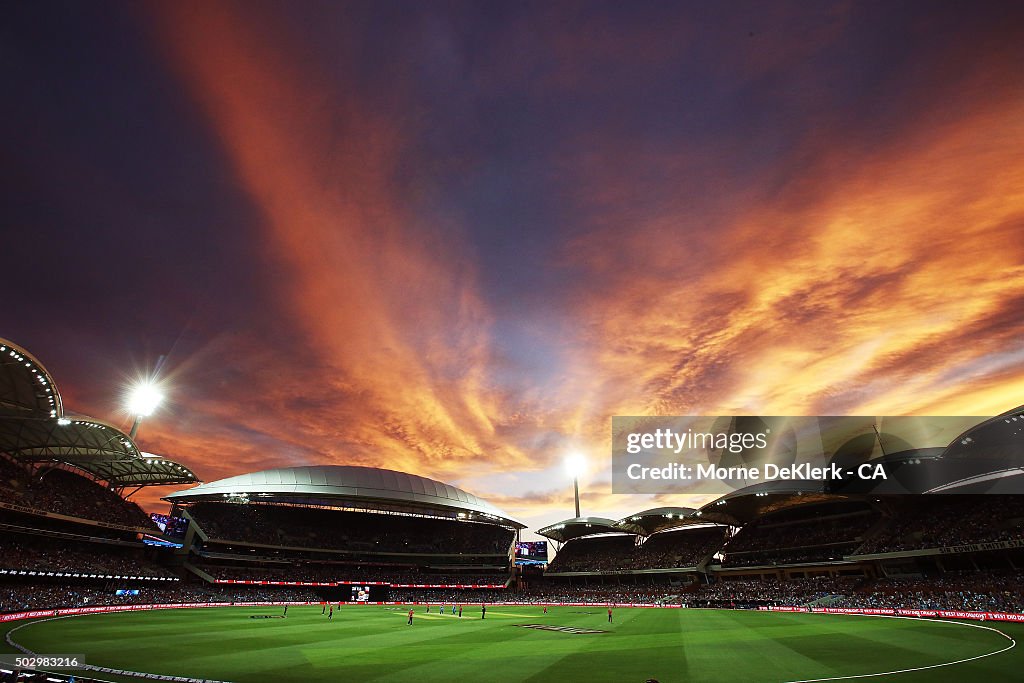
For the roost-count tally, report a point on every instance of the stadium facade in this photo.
(834, 540)
(339, 526)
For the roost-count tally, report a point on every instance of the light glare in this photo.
(144, 399)
(575, 464)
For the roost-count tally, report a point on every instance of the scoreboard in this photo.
(363, 593)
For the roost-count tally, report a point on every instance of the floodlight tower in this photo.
(143, 399)
(575, 464)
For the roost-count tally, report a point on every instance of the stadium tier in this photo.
(265, 524)
(344, 525)
(59, 492)
(948, 521)
(32, 555)
(683, 548)
(812, 533)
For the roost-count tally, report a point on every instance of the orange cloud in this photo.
(386, 302)
(880, 282)
(884, 279)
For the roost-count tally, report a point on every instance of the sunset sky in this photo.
(454, 239)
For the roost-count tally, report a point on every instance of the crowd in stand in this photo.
(997, 592)
(452, 596)
(824, 553)
(649, 595)
(356, 531)
(972, 591)
(27, 553)
(66, 493)
(350, 573)
(759, 592)
(768, 541)
(685, 548)
(22, 597)
(13, 481)
(936, 522)
(594, 553)
(665, 550)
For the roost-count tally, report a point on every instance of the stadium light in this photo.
(576, 464)
(144, 398)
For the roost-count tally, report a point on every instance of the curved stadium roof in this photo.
(578, 527)
(35, 429)
(658, 519)
(744, 505)
(90, 445)
(26, 388)
(349, 486)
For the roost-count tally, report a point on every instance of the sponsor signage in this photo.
(939, 614)
(360, 583)
(981, 547)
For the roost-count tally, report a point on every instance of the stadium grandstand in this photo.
(340, 525)
(70, 534)
(654, 541)
(958, 544)
(72, 537)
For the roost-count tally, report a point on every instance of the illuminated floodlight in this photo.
(575, 464)
(144, 398)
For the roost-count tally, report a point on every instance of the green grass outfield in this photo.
(373, 643)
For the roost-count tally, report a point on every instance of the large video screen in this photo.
(172, 526)
(363, 593)
(532, 552)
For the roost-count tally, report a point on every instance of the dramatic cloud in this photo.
(857, 289)
(391, 339)
(456, 240)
